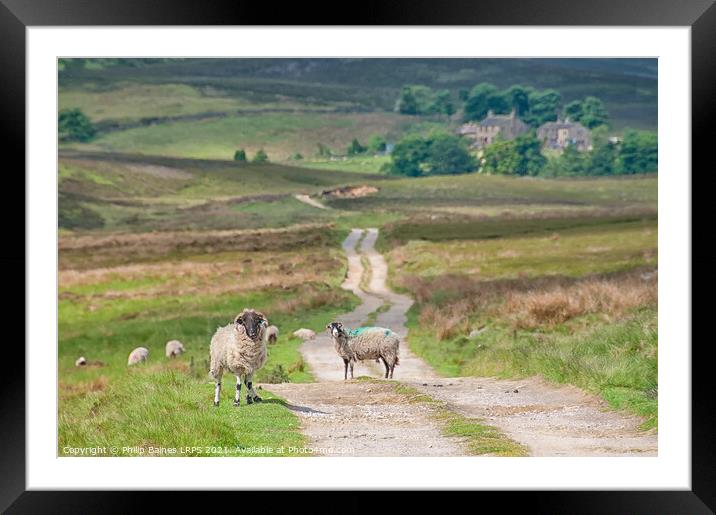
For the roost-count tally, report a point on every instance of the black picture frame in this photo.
(17, 15)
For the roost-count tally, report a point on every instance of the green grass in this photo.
(472, 195)
(281, 135)
(468, 281)
(133, 101)
(169, 409)
(598, 245)
(362, 164)
(170, 402)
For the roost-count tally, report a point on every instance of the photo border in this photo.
(699, 15)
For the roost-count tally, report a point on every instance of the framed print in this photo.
(440, 249)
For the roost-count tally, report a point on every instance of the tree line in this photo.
(534, 107)
(442, 153)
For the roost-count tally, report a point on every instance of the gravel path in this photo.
(366, 419)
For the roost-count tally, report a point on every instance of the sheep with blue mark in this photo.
(363, 343)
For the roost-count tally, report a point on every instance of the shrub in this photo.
(73, 125)
(261, 156)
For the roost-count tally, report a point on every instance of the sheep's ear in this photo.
(328, 327)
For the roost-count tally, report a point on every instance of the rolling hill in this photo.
(206, 108)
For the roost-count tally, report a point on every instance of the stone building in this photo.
(484, 133)
(559, 134)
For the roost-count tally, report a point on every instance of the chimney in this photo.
(513, 113)
(490, 114)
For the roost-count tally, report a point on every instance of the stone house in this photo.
(557, 135)
(485, 133)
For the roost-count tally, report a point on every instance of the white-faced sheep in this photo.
(239, 348)
(271, 334)
(174, 348)
(81, 362)
(138, 355)
(365, 343)
(304, 334)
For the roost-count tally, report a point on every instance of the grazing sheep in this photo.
(138, 355)
(271, 334)
(81, 361)
(365, 343)
(304, 334)
(174, 348)
(239, 348)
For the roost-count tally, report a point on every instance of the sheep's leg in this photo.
(217, 372)
(251, 395)
(387, 368)
(392, 367)
(237, 396)
(351, 365)
(345, 369)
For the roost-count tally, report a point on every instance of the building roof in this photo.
(562, 124)
(501, 120)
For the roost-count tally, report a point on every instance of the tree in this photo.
(573, 110)
(377, 144)
(442, 104)
(518, 98)
(529, 149)
(593, 113)
(500, 157)
(479, 101)
(521, 156)
(73, 125)
(590, 112)
(261, 156)
(447, 154)
(407, 103)
(439, 153)
(323, 150)
(356, 148)
(542, 107)
(240, 155)
(604, 154)
(638, 152)
(408, 156)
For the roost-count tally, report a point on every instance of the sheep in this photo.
(174, 348)
(365, 343)
(81, 362)
(240, 348)
(138, 355)
(304, 334)
(271, 334)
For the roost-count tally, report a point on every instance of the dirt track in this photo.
(365, 419)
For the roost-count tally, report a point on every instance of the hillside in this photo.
(135, 193)
(206, 108)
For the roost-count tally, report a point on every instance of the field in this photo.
(106, 311)
(576, 306)
(163, 236)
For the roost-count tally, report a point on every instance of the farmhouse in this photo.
(482, 134)
(559, 134)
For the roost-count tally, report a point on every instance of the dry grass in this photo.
(449, 302)
(93, 251)
(67, 390)
(232, 273)
(612, 297)
(309, 298)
